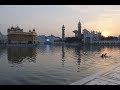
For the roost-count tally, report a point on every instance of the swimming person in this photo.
(102, 55)
(105, 54)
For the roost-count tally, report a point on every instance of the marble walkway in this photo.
(110, 76)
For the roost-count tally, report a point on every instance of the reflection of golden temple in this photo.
(18, 54)
(16, 35)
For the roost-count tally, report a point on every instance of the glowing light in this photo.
(47, 40)
(105, 33)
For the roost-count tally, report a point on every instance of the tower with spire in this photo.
(79, 30)
(63, 32)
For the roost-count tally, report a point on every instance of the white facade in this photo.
(91, 37)
(3, 38)
(40, 39)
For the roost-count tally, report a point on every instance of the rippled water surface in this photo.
(53, 65)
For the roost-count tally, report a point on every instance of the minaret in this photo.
(79, 30)
(63, 32)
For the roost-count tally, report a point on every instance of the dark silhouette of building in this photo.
(78, 32)
(63, 33)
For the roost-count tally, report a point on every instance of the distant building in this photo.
(78, 32)
(91, 37)
(42, 39)
(86, 36)
(63, 33)
(119, 37)
(17, 36)
(3, 38)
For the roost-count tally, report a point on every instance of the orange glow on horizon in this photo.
(105, 33)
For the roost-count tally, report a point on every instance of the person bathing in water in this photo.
(104, 55)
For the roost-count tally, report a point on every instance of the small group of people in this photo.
(104, 55)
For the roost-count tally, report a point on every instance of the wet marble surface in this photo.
(107, 77)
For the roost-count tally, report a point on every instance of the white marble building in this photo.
(42, 39)
(3, 38)
(91, 37)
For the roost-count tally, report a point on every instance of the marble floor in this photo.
(109, 76)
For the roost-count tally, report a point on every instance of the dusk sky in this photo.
(48, 19)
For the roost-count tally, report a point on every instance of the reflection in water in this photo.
(48, 48)
(44, 49)
(78, 53)
(63, 55)
(19, 54)
(2, 51)
(93, 48)
(79, 62)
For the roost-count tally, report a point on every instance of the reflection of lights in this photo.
(47, 48)
(47, 40)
